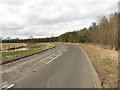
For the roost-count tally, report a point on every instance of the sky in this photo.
(46, 18)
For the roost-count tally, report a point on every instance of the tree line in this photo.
(31, 40)
(105, 33)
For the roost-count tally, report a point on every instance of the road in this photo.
(64, 66)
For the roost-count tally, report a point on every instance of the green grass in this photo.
(33, 48)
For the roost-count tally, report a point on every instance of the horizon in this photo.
(35, 19)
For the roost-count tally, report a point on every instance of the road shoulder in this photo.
(94, 74)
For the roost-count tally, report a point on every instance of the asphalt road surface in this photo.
(64, 66)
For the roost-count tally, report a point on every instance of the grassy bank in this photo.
(32, 49)
(105, 62)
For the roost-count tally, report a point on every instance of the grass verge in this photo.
(32, 49)
(105, 63)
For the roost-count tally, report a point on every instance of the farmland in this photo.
(10, 52)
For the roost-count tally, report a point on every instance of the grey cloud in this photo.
(51, 17)
(68, 13)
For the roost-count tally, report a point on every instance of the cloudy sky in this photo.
(45, 18)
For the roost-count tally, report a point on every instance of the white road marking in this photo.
(66, 50)
(50, 57)
(43, 59)
(4, 86)
(60, 50)
(10, 86)
(54, 58)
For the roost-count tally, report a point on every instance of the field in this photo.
(6, 46)
(105, 62)
(32, 49)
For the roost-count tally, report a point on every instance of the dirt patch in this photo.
(105, 62)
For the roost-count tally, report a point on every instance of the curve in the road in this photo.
(65, 67)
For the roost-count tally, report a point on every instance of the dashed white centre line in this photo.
(43, 60)
(4, 86)
(66, 50)
(50, 57)
(10, 86)
(54, 58)
(60, 50)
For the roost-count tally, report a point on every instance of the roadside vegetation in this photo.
(102, 46)
(101, 43)
(105, 62)
(31, 49)
(104, 32)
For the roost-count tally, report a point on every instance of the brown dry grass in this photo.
(105, 63)
(5, 46)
